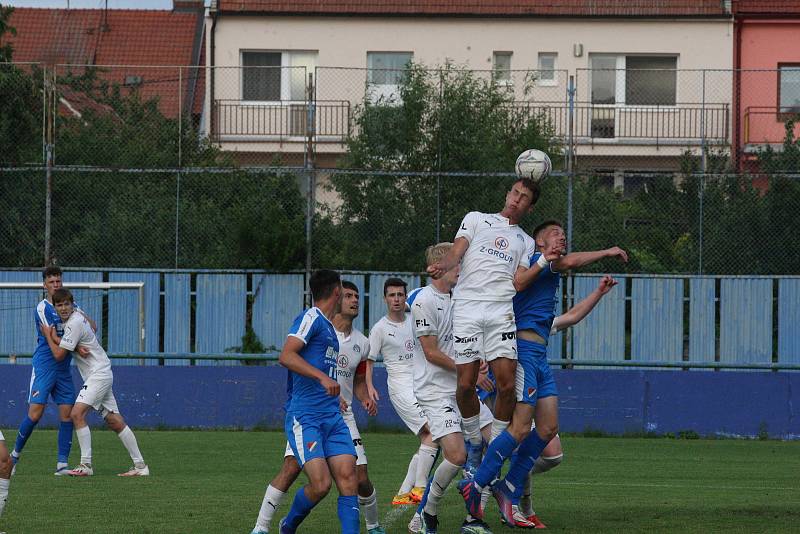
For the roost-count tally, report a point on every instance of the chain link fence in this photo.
(292, 168)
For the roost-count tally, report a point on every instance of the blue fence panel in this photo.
(123, 316)
(221, 307)
(376, 304)
(17, 307)
(90, 300)
(177, 315)
(657, 319)
(554, 344)
(601, 336)
(745, 316)
(278, 300)
(702, 319)
(789, 320)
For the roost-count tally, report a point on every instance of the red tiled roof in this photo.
(578, 8)
(118, 37)
(765, 7)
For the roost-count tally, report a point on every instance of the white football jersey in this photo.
(353, 349)
(397, 344)
(496, 249)
(433, 316)
(78, 331)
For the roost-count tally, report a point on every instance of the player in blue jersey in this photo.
(534, 309)
(316, 431)
(49, 377)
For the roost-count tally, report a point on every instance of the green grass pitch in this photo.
(213, 482)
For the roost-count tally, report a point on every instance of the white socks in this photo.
(497, 428)
(411, 476)
(85, 442)
(129, 440)
(4, 483)
(272, 499)
(425, 458)
(369, 507)
(444, 474)
(472, 429)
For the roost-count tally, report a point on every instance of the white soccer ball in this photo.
(533, 164)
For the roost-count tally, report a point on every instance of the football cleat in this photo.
(403, 499)
(472, 497)
(520, 521)
(475, 527)
(83, 470)
(416, 494)
(62, 471)
(504, 502)
(259, 532)
(415, 525)
(136, 472)
(376, 530)
(535, 520)
(430, 523)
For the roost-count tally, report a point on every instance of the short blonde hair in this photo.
(436, 252)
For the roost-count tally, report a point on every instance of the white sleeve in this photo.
(426, 320)
(469, 226)
(365, 350)
(530, 252)
(73, 332)
(375, 337)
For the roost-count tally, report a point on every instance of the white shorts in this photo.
(484, 330)
(97, 393)
(407, 407)
(350, 421)
(444, 418)
(1, 436)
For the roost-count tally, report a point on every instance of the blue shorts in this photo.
(533, 373)
(318, 436)
(51, 382)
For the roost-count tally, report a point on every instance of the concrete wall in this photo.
(612, 401)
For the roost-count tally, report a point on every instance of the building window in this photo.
(633, 80)
(276, 75)
(387, 68)
(501, 67)
(547, 68)
(788, 90)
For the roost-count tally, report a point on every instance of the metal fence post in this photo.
(570, 161)
(700, 224)
(703, 158)
(311, 182)
(51, 110)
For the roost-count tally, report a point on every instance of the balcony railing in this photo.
(767, 124)
(284, 120)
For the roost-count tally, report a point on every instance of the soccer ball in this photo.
(533, 164)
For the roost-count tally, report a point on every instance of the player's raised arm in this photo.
(576, 260)
(452, 258)
(525, 276)
(291, 359)
(578, 312)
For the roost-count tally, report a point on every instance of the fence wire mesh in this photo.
(169, 167)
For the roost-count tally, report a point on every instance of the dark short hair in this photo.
(532, 186)
(546, 224)
(322, 283)
(394, 282)
(347, 284)
(51, 270)
(62, 295)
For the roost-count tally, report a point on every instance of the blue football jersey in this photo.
(535, 307)
(45, 313)
(321, 350)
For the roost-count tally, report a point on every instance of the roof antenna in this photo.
(104, 27)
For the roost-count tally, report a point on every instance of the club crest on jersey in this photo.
(501, 243)
(311, 445)
(343, 360)
(409, 345)
(356, 348)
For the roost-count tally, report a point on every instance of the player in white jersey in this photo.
(491, 248)
(5, 472)
(96, 392)
(435, 385)
(351, 369)
(393, 338)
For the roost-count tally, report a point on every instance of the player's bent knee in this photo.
(319, 487)
(456, 458)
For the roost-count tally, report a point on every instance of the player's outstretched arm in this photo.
(291, 359)
(523, 277)
(578, 312)
(576, 260)
(451, 259)
(430, 346)
(54, 341)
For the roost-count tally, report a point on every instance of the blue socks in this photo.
(347, 508)
(529, 450)
(25, 431)
(301, 507)
(499, 449)
(64, 440)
